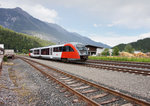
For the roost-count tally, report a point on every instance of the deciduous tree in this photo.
(129, 48)
(115, 51)
(105, 52)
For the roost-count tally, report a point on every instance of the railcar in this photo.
(66, 52)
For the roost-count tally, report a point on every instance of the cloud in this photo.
(36, 10)
(117, 39)
(42, 13)
(145, 35)
(97, 25)
(110, 25)
(132, 14)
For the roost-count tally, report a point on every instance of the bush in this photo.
(5, 58)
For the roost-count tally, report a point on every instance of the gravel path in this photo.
(136, 85)
(22, 85)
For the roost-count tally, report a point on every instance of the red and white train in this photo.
(66, 52)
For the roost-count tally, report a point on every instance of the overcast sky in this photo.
(108, 21)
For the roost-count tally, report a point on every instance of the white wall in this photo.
(2, 46)
(100, 50)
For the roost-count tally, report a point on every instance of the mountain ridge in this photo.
(139, 45)
(20, 21)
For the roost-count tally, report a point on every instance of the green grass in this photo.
(132, 59)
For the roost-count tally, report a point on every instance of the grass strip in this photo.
(110, 58)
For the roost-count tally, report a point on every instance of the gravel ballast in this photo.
(136, 85)
(22, 85)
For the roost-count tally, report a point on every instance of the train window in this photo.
(64, 49)
(82, 49)
(55, 49)
(36, 52)
(58, 49)
(42, 51)
(71, 49)
(45, 51)
(67, 49)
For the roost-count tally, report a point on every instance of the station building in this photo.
(92, 50)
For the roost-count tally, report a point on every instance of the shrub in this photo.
(5, 58)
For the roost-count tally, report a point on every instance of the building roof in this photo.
(93, 46)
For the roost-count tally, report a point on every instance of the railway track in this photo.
(121, 63)
(138, 68)
(115, 66)
(91, 93)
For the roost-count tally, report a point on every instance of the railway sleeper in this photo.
(57, 87)
(99, 96)
(63, 90)
(89, 91)
(127, 104)
(69, 95)
(71, 82)
(109, 101)
(76, 100)
(68, 80)
(74, 85)
(82, 87)
(64, 78)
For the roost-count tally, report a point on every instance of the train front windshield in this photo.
(82, 49)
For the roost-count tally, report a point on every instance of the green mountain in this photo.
(20, 42)
(141, 45)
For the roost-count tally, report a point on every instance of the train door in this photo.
(50, 52)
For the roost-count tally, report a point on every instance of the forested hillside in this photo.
(20, 42)
(142, 45)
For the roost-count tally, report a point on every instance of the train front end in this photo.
(83, 52)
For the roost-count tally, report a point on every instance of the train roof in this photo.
(73, 43)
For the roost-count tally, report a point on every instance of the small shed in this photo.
(92, 49)
(1, 49)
